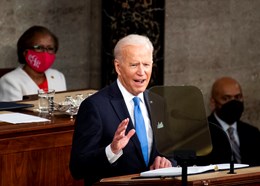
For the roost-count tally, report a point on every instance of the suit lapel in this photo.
(118, 104)
(156, 115)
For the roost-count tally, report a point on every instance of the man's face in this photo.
(226, 93)
(135, 68)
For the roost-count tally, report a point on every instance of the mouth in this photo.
(140, 81)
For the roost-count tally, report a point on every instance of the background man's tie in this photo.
(140, 129)
(235, 147)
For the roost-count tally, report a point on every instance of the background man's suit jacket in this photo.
(249, 137)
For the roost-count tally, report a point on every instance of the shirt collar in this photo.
(224, 125)
(127, 95)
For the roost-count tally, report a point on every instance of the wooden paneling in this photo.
(37, 154)
(39, 167)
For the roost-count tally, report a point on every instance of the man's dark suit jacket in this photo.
(95, 125)
(249, 137)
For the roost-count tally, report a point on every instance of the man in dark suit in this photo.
(105, 141)
(227, 108)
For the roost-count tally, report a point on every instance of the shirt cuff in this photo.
(112, 157)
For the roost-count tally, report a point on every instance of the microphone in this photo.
(217, 127)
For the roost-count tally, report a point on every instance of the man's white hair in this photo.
(131, 40)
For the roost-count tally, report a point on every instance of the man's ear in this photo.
(212, 104)
(117, 66)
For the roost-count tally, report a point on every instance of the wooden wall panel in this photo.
(36, 155)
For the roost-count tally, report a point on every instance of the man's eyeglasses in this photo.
(40, 48)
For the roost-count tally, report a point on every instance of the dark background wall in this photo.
(123, 17)
(203, 40)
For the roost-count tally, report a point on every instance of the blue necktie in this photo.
(140, 129)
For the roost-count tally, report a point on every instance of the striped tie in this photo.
(234, 145)
(140, 129)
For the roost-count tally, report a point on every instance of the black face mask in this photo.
(231, 111)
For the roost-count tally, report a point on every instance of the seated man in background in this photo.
(227, 130)
(36, 50)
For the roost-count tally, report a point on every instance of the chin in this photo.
(139, 91)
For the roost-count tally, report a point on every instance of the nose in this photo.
(232, 98)
(141, 69)
(237, 97)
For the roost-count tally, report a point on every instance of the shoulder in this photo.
(56, 80)
(111, 91)
(14, 75)
(56, 76)
(212, 119)
(246, 126)
(155, 101)
(52, 71)
(105, 95)
(16, 72)
(96, 103)
(248, 133)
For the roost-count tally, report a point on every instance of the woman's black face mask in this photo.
(231, 111)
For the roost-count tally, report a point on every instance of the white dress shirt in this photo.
(225, 127)
(128, 98)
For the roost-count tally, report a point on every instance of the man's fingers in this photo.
(160, 162)
(122, 126)
(130, 133)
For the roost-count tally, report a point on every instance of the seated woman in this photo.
(36, 50)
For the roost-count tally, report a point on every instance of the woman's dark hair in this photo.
(26, 39)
